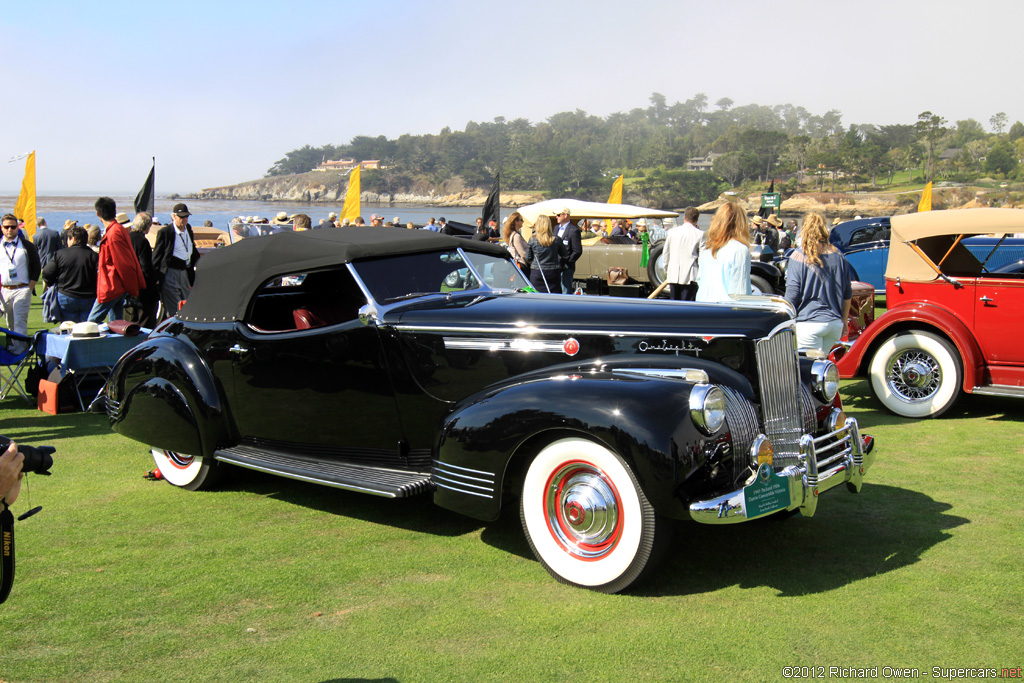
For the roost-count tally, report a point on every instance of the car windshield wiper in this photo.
(413, 295)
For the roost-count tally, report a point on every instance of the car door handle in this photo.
(985, 300)
(239, 350)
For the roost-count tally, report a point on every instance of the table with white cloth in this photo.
(86, 357)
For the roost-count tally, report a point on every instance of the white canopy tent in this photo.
(579, 210)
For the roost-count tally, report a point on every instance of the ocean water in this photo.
(57, 209)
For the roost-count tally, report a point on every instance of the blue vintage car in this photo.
(865, 244)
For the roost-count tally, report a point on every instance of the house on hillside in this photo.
(704, 163)
(348, 164)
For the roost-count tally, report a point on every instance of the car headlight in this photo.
(825, 376)
(707, 408)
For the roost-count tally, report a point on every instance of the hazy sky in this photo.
(219, 90)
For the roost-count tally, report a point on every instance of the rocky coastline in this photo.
(330, 188)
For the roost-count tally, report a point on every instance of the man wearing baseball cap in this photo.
(174, 258)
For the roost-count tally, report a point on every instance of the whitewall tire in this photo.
(191, 472)
(916, 374)
(586, 518)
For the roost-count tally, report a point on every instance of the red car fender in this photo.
(928, 317)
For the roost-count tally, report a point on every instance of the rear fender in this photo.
(490, 437)
(163, 394)
(920, 316)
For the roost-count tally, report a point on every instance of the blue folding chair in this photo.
(14, 356)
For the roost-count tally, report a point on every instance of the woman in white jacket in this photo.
(724, 265)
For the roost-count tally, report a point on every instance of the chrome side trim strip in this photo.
(494, 344)
(529, 329)
(442, 485)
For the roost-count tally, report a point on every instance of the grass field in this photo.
(120, 578)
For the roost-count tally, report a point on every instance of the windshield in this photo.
(407, 276)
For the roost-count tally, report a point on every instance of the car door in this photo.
(997, 320)
(326, 386)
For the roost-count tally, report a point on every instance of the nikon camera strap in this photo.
(7, 557)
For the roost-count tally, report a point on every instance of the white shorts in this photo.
(815, 335)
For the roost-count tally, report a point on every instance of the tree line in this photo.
(575, 154)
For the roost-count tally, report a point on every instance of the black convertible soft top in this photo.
(227, 278)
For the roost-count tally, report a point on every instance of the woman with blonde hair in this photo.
(818, 286)
(546, 255)
(94, 236)
(723, 269)
(513, 238)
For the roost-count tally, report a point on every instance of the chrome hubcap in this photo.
(583, 511)
(913, 375)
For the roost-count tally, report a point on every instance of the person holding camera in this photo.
(10, 473)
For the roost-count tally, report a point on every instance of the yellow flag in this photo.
(25, 209)
(352, 207)
(926, 199)
(616, 196)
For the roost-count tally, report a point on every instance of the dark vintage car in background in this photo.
(952, 324)
(341, 357)
(865, 244)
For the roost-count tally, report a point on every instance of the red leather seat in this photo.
(306, 319)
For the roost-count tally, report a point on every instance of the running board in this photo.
(999, 390)
(377, 481)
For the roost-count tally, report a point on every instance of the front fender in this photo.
(645, 420)
(914, 316)
(163, 394)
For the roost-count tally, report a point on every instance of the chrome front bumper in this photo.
(795, 487)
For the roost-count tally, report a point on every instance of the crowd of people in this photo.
(715, 267)
(93, 273)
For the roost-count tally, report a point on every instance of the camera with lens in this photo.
(38, 459)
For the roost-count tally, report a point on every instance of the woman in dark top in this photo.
(546, 255)
(72, 270)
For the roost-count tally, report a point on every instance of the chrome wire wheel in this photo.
(916, 374)
(587, 519)
(913, 375)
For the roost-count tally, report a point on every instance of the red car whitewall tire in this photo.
(916, 374)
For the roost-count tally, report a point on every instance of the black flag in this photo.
(492, 207)
(145, 200)
(764, 211)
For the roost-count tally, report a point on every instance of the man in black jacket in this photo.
(570, 234)
(174, 258)
(47, 242)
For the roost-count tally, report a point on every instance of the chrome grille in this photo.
(743, 428)
(779, 376)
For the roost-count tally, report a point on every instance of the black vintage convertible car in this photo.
(342, 358)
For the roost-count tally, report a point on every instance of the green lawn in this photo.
(120, 578)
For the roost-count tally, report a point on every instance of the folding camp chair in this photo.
(14, 356)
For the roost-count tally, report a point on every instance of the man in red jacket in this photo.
(119, 271)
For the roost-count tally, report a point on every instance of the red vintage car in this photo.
(952, 324)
